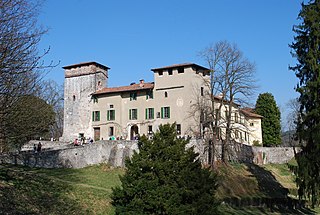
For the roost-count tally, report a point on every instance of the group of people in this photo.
(82, 140)
(37, 148)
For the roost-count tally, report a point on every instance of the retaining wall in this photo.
(115, 152)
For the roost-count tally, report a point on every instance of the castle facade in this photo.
(92, 109)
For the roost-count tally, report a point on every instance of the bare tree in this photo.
(52, 93)
(21, 65)
(232, 82)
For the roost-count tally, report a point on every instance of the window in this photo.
(178, 128)
(251, 124)
(165, 94)
(111, 115)
(149, 113)
(111, 131)
(237, 134)
(95, 116)
(73, 97)
(149, 94)
(227, 114)
(150, 129)
(160, 73)
(133, 96)
(201, 91)
(133, 114)
(169, 71)
(180, 70)
(218, 114)
(236, 117)
(111, 106)
(95, 99)
(165, 112)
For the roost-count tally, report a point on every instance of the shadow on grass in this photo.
(24, 191)
(276, 196)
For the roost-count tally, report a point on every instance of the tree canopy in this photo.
(165, 178)
(306, 50)
(29, 117)
(266, 106)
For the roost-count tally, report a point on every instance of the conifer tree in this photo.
(266, 106)
(165, 178)
(306, 49)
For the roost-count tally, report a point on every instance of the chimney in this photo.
(141, 83)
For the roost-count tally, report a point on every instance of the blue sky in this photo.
(132, 37)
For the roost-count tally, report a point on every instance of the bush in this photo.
(165, 178)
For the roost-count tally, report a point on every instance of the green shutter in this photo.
(162, 113)
(168, 112)
(130, 114)
(152, 113)
(146, 113)
(98, 114)
(108, 115)
(92, 116)
(137, 113)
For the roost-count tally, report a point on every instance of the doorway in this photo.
(134, 132)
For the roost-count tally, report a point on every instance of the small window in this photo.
(251, 124)
(133, 114)
(165, 94)
(111, 106)
(73, 97)
(180, 70)
(236, 117)
(111, 115)
(149, 94)
(178, 128)
(160, 73)
(201, 91)
(133, 96)
(169, 71)
(165, 112)
(111, 131)
(95, 99)
(149, 113)
(95, 116)
(150, 129)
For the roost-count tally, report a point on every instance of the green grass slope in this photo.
(87, 191)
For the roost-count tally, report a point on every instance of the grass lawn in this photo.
(87, 191)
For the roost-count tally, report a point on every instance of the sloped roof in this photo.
(180, 65)
(133, 87)
(250, 113)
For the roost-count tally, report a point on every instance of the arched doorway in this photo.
(134, 132)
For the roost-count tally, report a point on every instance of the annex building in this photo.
(92, 109)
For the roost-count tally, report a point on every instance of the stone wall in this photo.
(115, 152)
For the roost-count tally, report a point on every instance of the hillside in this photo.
(87, 191)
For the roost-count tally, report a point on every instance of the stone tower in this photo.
(81, 80)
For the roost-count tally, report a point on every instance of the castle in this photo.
(92, 109)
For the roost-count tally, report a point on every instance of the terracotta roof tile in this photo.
(250, 112)
(133, 87)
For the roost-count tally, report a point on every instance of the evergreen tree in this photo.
(306, 49)
(165, 178)
(266, 106)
